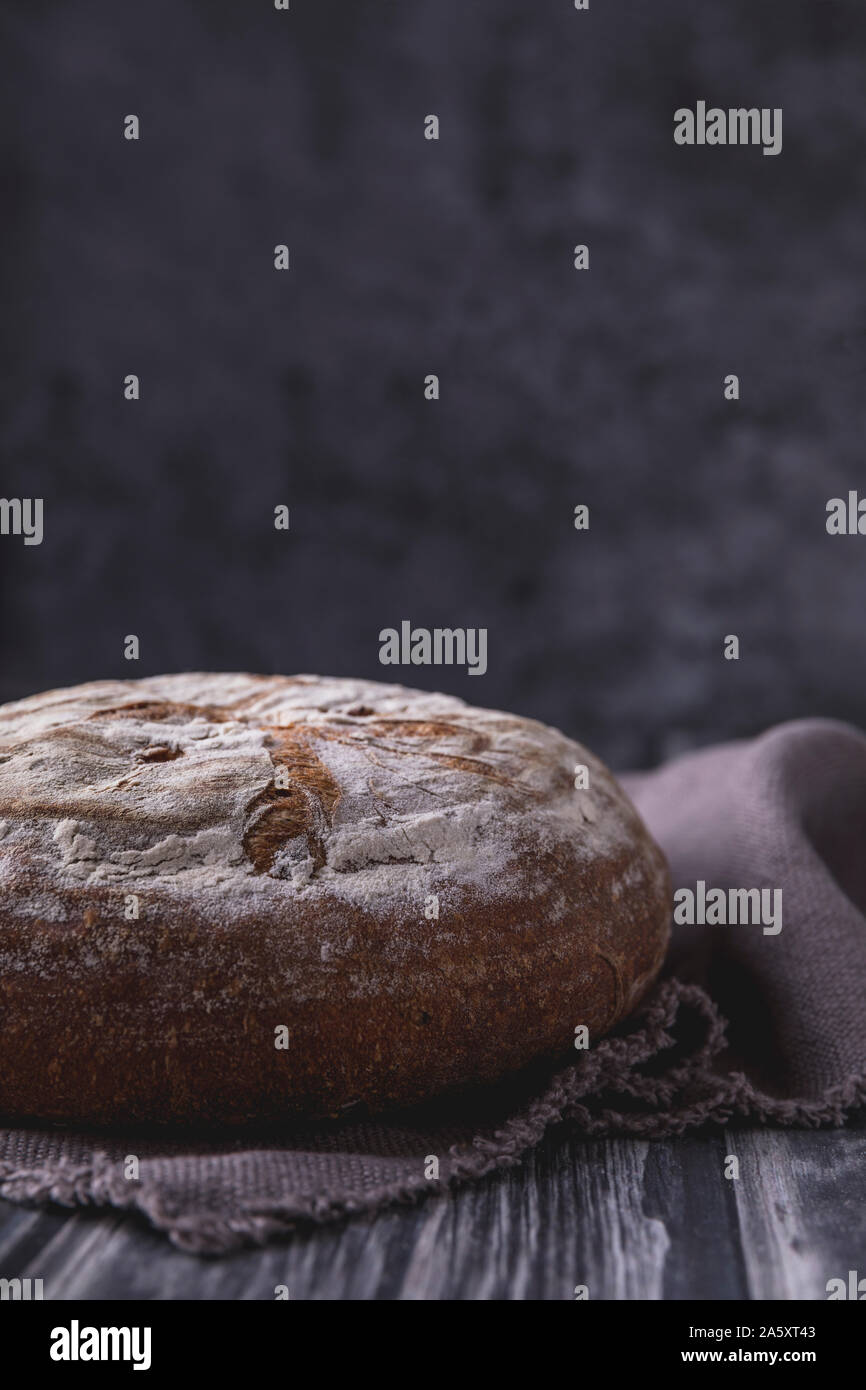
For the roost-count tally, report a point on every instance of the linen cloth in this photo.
(744, 1024)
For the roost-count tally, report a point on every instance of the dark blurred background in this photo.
(411, 257)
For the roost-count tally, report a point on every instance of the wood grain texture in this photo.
(780, 1189)
(631, 1220)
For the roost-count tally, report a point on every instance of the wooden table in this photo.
(629, 1219)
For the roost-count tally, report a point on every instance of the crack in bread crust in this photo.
(304, 809)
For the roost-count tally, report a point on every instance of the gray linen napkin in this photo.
(748, 1021)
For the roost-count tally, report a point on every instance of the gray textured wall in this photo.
(411, 257)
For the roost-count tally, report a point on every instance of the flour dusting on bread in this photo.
(165, 784)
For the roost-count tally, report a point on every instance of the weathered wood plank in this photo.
(800, 1209)
(686, 1190)
(631, 1220)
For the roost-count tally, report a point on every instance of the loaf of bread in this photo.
(235, 898)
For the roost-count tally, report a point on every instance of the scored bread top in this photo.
(172, 783)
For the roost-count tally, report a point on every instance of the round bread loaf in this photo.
(232, 898)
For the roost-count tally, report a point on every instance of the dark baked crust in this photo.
(262, 904)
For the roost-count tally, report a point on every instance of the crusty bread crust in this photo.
(286, 843)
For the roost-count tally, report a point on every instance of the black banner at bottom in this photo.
(247, 1338)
